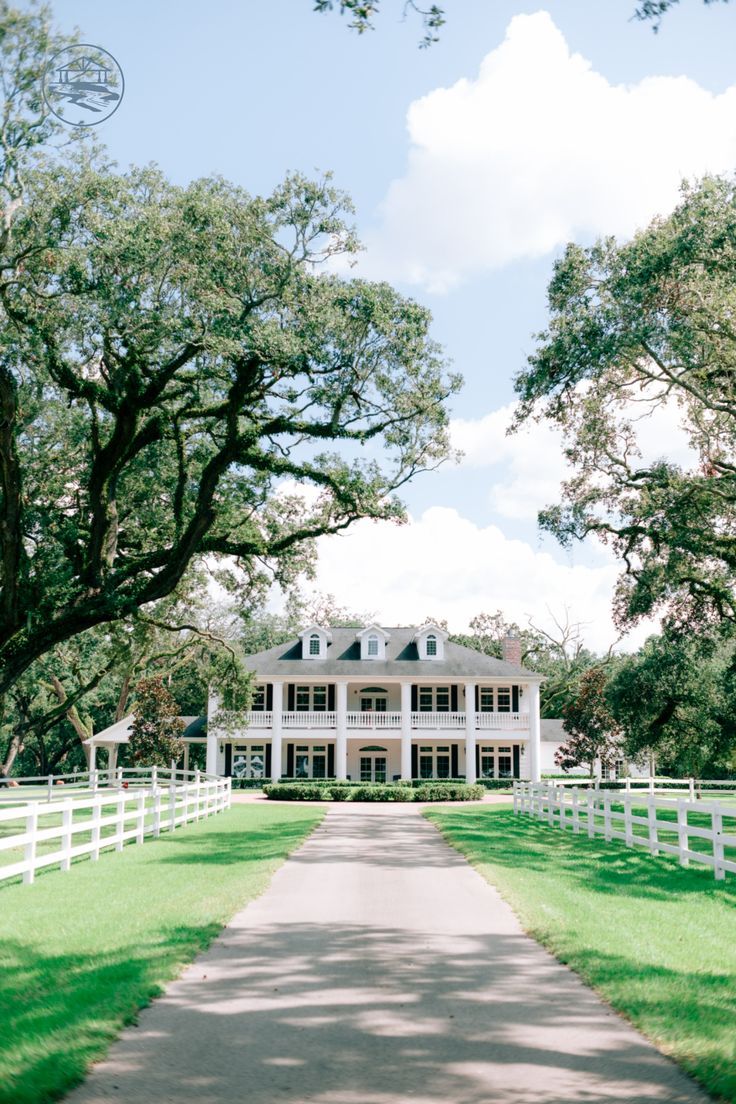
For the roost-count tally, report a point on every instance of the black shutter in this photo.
(268, 761)
(453, 761)
(414, 761)
(330, 760)
(453, 701)
(269, 697)
(290, 698)
(228, 760)
(477, 700)
(516, 760)
(414, 699)
(477, 761)
(289, 760)
(514, 699)
(330, 699)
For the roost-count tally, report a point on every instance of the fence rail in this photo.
(633, 817)
(135, 803)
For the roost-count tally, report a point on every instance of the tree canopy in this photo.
(638, 329)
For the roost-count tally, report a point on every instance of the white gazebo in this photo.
(119, 733)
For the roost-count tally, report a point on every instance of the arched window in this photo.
(431, 645)
(372, 645)
(314, 646)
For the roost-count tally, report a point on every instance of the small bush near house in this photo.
(394, 791)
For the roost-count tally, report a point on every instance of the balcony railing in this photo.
(485, 722)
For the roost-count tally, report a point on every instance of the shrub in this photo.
(248, 783)
(372, 791)
(441, 791)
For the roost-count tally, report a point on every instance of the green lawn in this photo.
(81, 952)
(657, 941)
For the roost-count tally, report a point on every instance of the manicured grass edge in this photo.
(547, 940)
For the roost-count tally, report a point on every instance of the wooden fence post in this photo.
(628, 826)
(67, 814)
(607, 815)
(50, 787)
(716, 824)
(140, 823)
(550, 804)
(692, 789)
(590, 812)
(120, 826)
(683, 841)
(652, 818)
(29, 851)
(575, 811)
(172, 805)
(515, 788)
(197, 796)
(96, 817)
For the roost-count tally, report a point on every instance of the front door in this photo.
(372, 767)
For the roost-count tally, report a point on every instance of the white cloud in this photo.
(443, 565)
(539, 149)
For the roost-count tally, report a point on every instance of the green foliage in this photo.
(372, 791)
(363, 12)
(164, 350)
(675, 698)
(594, 732)
(658, 942)
(131, 922)
(639, 328)
(155, 737)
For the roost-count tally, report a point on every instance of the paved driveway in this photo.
(379, 968)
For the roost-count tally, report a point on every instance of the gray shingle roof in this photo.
(343, 658)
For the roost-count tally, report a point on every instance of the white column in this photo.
(277, 708)
(211, 760)
(406, 730)
(535, 732)
(470, 774)
(341, 732)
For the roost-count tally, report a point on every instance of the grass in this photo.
(655, 940)
(82, 952)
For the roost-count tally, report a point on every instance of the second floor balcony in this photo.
(374, 721)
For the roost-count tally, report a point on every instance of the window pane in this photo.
(486, 766)
(314, 645)
(319, 764)
(426, 749)
(425, 699)
(372, 645)
(425, 766)
(302, 699)
(319, 747)
(380, 769)
(504, 766)
(443, 766)
(365, 768)
(486, 699)
(504, 699)
(301, 769)
(380, 705)
(319, 699)
(431, 646)
(505, 750)
(443, 699)
(259, 699)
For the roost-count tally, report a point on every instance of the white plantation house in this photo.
(378, 704)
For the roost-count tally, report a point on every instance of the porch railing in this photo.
(503, 722)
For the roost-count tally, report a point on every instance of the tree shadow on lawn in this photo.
(225, 848)
(370, 1015)
(499, 837)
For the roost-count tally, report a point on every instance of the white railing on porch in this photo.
(134, 803)
(502, 722)
(374, 720)
(631, 817)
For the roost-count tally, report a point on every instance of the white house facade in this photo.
(381, 704)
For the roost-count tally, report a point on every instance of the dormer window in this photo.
(373, 640)
(314, 642)
(430, 642)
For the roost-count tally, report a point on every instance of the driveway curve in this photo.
(380, 968)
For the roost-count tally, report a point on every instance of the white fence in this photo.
(126, 805)
(632, 817)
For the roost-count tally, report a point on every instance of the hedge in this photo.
(372, 791)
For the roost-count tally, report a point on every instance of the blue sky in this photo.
(253, 88)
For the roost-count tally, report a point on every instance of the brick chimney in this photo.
(511, 646)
